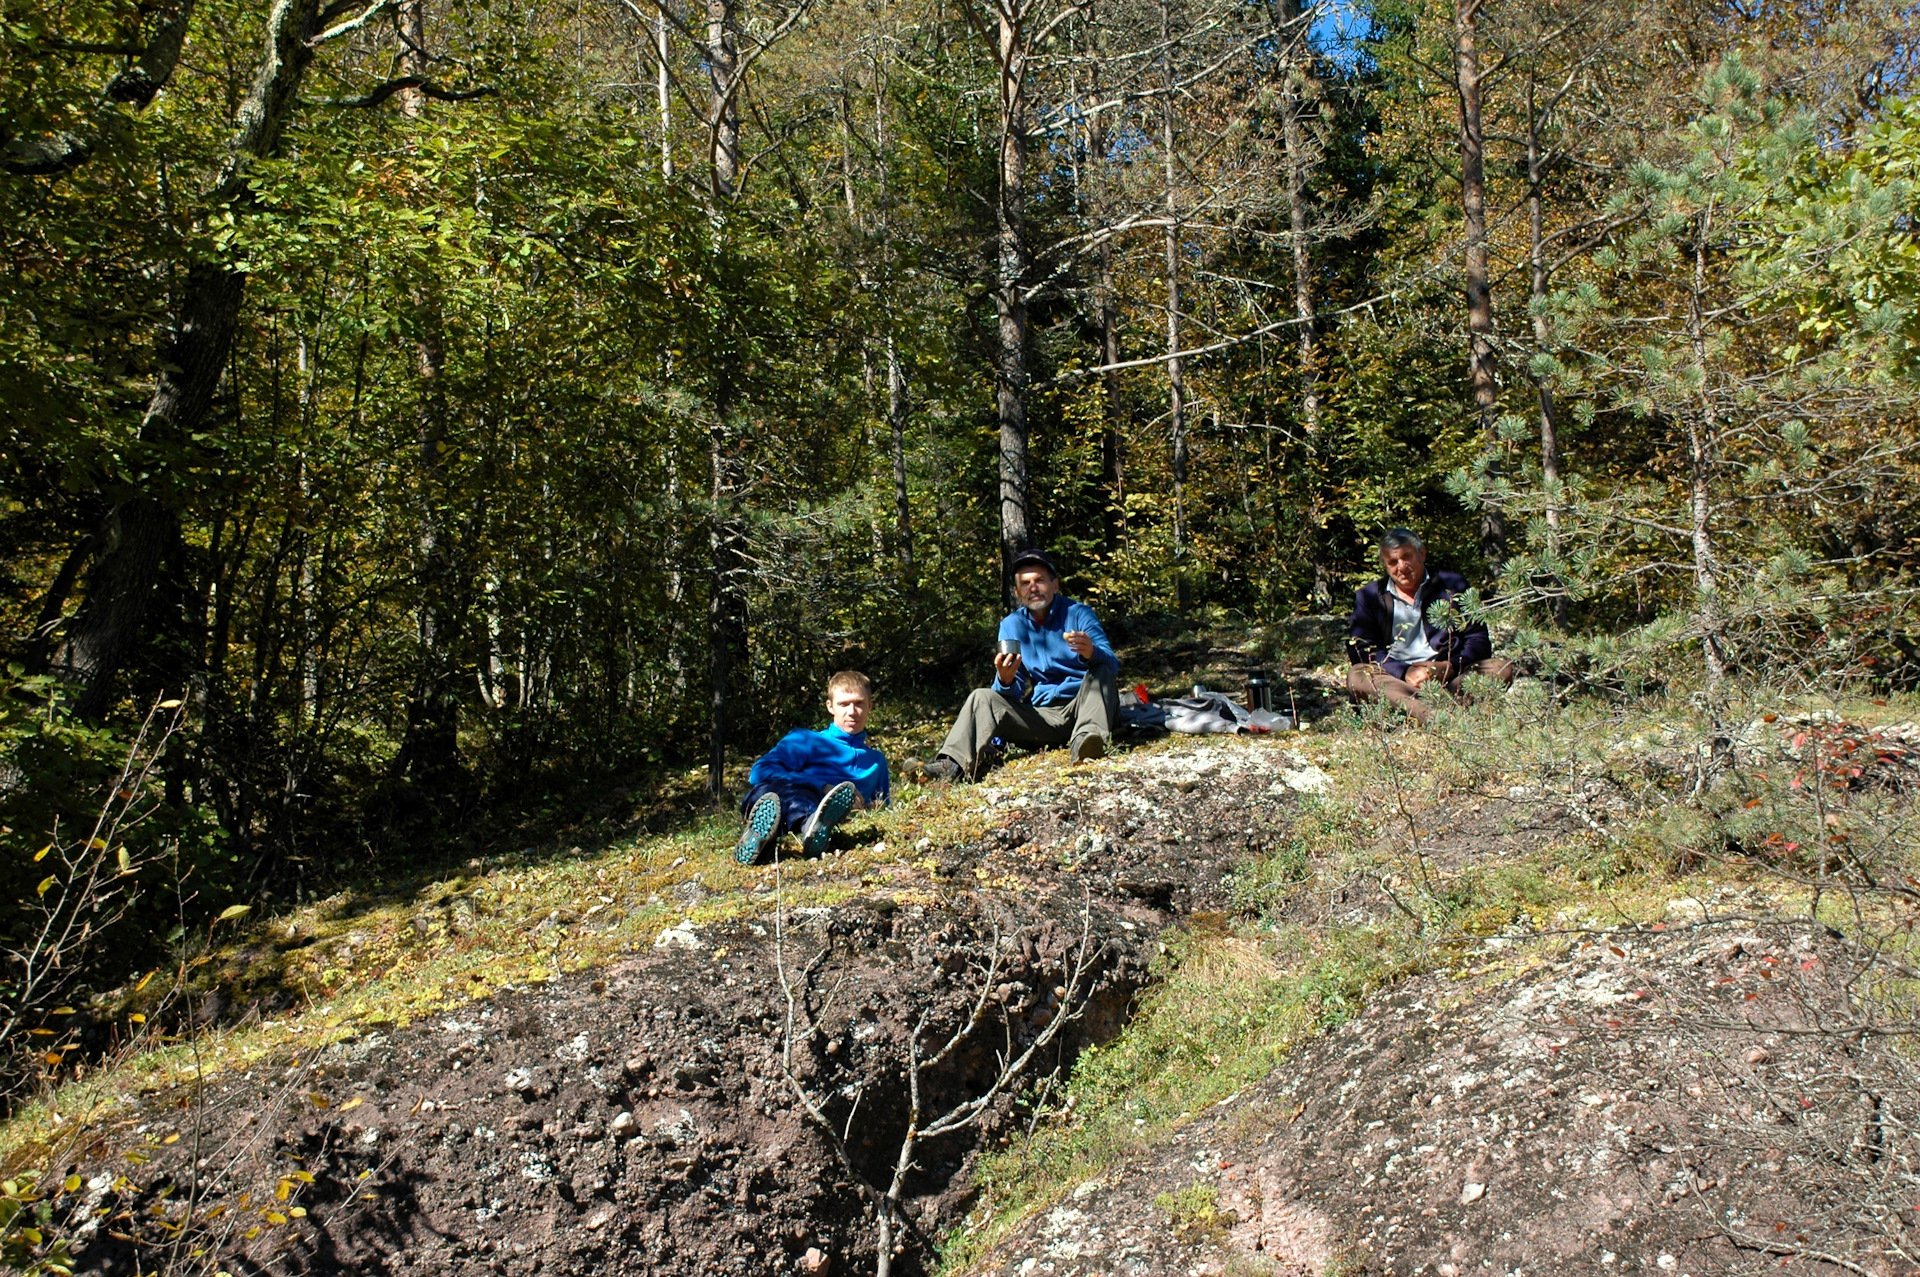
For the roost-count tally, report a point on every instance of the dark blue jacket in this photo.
(1370, 632)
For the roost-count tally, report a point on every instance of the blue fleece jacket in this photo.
(1050, 671)
(814, 762)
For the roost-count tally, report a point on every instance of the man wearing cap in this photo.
(1054, 678)
(1400, 652)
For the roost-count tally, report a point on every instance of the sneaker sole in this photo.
(832, 810)
(763, 821)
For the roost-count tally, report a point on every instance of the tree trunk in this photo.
(1114, 416)
(139, 532)
(1299, 161)
(1009, 292)
(726, 605)
(663, 88)
(1176, 366)
(1542, 337)
(430, 748)
(1473, 204)
(723, 120)
(897, 450)
(1703, 430)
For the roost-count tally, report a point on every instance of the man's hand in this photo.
(1006, 667)
(1425, 672)
(1081, 642)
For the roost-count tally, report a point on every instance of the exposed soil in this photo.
(1645, 1101)
(1701, 1096)
(640, 1120)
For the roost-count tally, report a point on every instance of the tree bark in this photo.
(1299, 162)
(1703, 430)
(723, 120)
(662, 88)
(1176, 365)
(430, 748)
(726, 604)
(140, 532)
(1542, 337)
(1114, 414)
(1010, 282)
(897, 451)
(1473, 204)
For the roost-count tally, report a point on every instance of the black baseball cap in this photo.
(1035, 559)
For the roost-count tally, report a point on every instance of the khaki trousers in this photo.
(1370, 682)
(988, 714)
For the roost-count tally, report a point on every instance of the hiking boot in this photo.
(833, 808)
(1087, 748)
(943, 771)
(762, 827)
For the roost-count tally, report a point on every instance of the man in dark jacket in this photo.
(1399, 651)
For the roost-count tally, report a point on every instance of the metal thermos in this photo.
(1259, 691)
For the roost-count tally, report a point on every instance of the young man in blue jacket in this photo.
(1054, 679)
(1398, 651)
(809, 781)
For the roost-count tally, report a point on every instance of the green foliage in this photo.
(28, 1243)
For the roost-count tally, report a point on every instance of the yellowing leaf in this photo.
(71, 1183)
(353, 1103)
(126, 861)
(298, 1212)
(41, 854)
(233, 911)
(145, 980)
(46, 885)
(137, 1018)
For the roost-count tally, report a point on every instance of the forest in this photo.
(417, 414)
